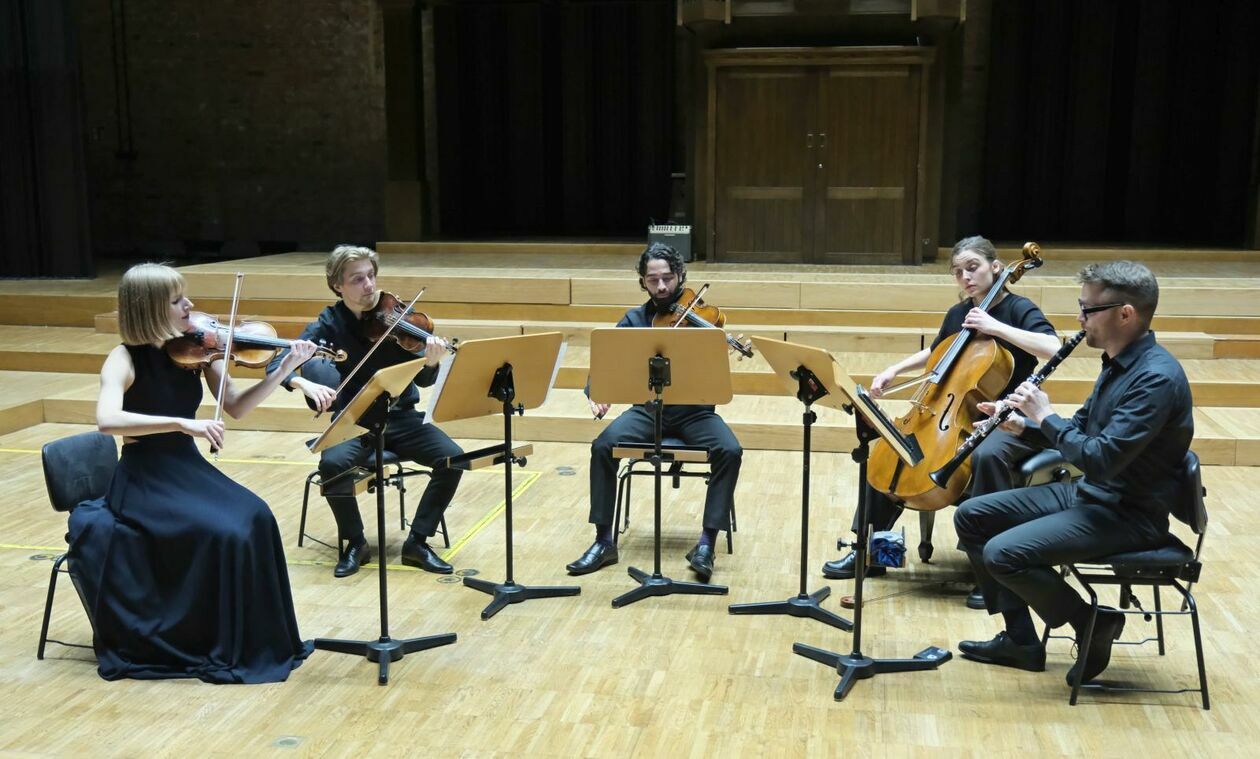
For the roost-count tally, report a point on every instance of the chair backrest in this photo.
(78, 468)
(1188, 506)
(1044, 466)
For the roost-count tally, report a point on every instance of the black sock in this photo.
(357, 540)
(604, 534)
(1019, 626)
(708, 536)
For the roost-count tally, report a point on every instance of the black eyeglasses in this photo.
(1087, 310)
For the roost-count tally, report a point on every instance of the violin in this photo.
(690, 310)
(254, 344)
(413, 330)
(962, 372)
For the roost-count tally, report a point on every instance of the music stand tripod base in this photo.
(507, 592)
(384, 650)
(368, 407)
(814, 370)
(854, 667)
(651, 585)
(807, 606)
(511, 593)
(512, 374)
(804, 604)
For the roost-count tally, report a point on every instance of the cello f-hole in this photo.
(943, 424)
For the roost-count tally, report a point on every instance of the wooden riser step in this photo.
(1227, 437)
(87, 309)
(615, 289)
(892, 340)
(1219, 382)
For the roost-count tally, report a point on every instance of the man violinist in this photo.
(662, 273)
(351, 274)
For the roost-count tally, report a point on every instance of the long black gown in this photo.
(182, 569)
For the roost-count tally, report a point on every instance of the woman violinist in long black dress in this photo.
(182, 568)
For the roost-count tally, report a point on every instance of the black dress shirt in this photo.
(1133, 432)
(1014, 310)
(338, 327)
(642, 316)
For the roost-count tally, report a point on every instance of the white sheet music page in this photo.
(551, 384)
(444, 371)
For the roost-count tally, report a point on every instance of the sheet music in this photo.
(906, 448)
(444, 371)
(551, 384)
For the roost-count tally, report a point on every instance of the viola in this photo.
(962, 372)
(254, 344)
(414, 328)
(690, 310)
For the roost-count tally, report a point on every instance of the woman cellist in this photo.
(1019, 326)
(181, 568)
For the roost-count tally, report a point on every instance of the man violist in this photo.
(351, 272)
(662, 273)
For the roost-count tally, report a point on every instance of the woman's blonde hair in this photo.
(144, 303)
(341, 257)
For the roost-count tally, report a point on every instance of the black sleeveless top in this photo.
(161, 388)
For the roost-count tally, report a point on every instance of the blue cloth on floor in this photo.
(888, 548)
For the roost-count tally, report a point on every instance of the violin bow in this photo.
(227, 356)
(372, 350)
(691, 305)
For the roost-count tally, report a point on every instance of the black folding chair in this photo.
(1168, 565)
(76, 469)
(676, 471)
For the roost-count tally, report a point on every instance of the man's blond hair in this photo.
(145, 294)
(341, 257)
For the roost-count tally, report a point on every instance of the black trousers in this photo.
(993, 469)
(407, 435)
(694, 425)
(1018, 538)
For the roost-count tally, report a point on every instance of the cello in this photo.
(962, 372)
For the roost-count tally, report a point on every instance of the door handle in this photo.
(809, 140)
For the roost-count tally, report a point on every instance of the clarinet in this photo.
(1001, 413)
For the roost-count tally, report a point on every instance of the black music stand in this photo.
(500, 375)
(367, 411)
(871, 423)
(806, 373)
(655, 367)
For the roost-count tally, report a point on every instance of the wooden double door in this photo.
(816, 162)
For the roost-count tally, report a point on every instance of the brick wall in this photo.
(251, 120)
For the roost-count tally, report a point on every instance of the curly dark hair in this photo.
(659, 251)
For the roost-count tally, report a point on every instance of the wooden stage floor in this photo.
(676, 676)
(668, 677)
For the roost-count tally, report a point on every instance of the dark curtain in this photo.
(1112, 120)
(554, 118)
(43, 191)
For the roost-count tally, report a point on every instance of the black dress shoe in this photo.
(416, 553)
(700, 557)
(1006, 652)
(598, 556)
(975, 599)
(845, 569)
(356, 555)
(1107, 629)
